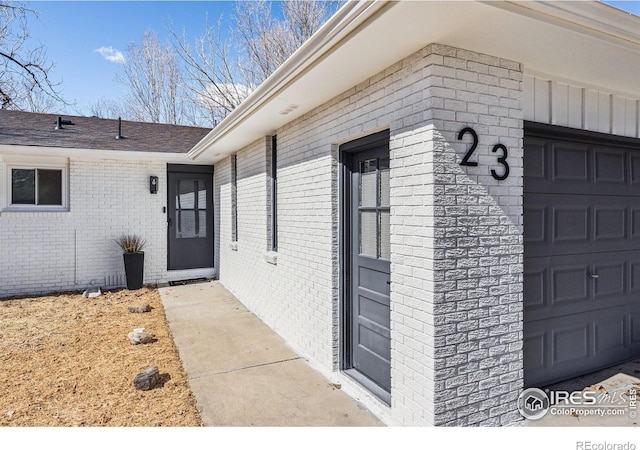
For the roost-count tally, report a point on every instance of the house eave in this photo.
(82, 153)
(597, 36)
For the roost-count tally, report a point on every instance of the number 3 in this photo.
(501, 160)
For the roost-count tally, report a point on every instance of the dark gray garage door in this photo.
(582, 252)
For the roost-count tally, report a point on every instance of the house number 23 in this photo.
(502, 159)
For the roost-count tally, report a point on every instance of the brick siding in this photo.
(456, 302)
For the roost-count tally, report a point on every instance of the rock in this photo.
(139, 336)
(92, 292)
(147, 379)
(140, 309)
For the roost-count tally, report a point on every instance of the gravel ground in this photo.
(67, 361)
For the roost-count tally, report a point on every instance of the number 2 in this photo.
(465, 161)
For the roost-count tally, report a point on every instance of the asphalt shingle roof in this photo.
(36, 129)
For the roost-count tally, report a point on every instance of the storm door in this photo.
(190, 216)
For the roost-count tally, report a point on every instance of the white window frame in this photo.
(8, 205)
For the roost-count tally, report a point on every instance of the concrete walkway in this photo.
(242, 373)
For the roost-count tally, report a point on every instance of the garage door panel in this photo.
(563, 347)
(535, 162)
(634, 277)
(565, 285)
(557, 224)
(582, 255)
(570, 223)
(611, 281)
(535, 348)
(634, 214)
(536, 366)
(609, 167)
(609, 335)
(634, 329)
(535, 278)
(609, 223)
(635, 169)
(559, 167)
(535, 219)
(570, 284)
(570, 163)
(569, 342)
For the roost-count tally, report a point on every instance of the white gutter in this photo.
(346, 20)
(8, 150)
(592, 18)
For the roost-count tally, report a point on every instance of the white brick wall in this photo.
(45, 251)
(456, 234)
(476, 230)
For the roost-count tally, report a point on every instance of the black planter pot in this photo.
(134, 269)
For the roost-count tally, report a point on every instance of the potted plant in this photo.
(132, 245)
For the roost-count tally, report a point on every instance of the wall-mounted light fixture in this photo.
(153, 184)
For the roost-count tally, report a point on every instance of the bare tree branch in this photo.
(220, 75)
(154, 80)
(106, 109)
(24, 73)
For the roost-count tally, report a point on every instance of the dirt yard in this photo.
(66, 360)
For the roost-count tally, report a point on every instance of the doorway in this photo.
(189, 216)
(366, 335)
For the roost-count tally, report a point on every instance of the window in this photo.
(374, 209)
(191, 209)
(36, 188)
(274, 192)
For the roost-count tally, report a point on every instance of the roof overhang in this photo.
(81, 153)
(589, 42)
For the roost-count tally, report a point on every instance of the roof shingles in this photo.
(92, 133)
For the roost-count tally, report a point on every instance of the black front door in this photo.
(190, 216)
(368, 339)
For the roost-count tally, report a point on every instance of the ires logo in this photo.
(581, 398)
(534, 404)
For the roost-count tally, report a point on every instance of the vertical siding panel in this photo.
(570, 105)
(542, 93)
(528, 97)
(630, 117)
(638, 118)
(590, 110)
(559, 104)
(618, 115)
(575, 107)
(604, 112)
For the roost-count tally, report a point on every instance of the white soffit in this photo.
(28, 151)
(583, 41)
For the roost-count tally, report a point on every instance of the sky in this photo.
(87, 39)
